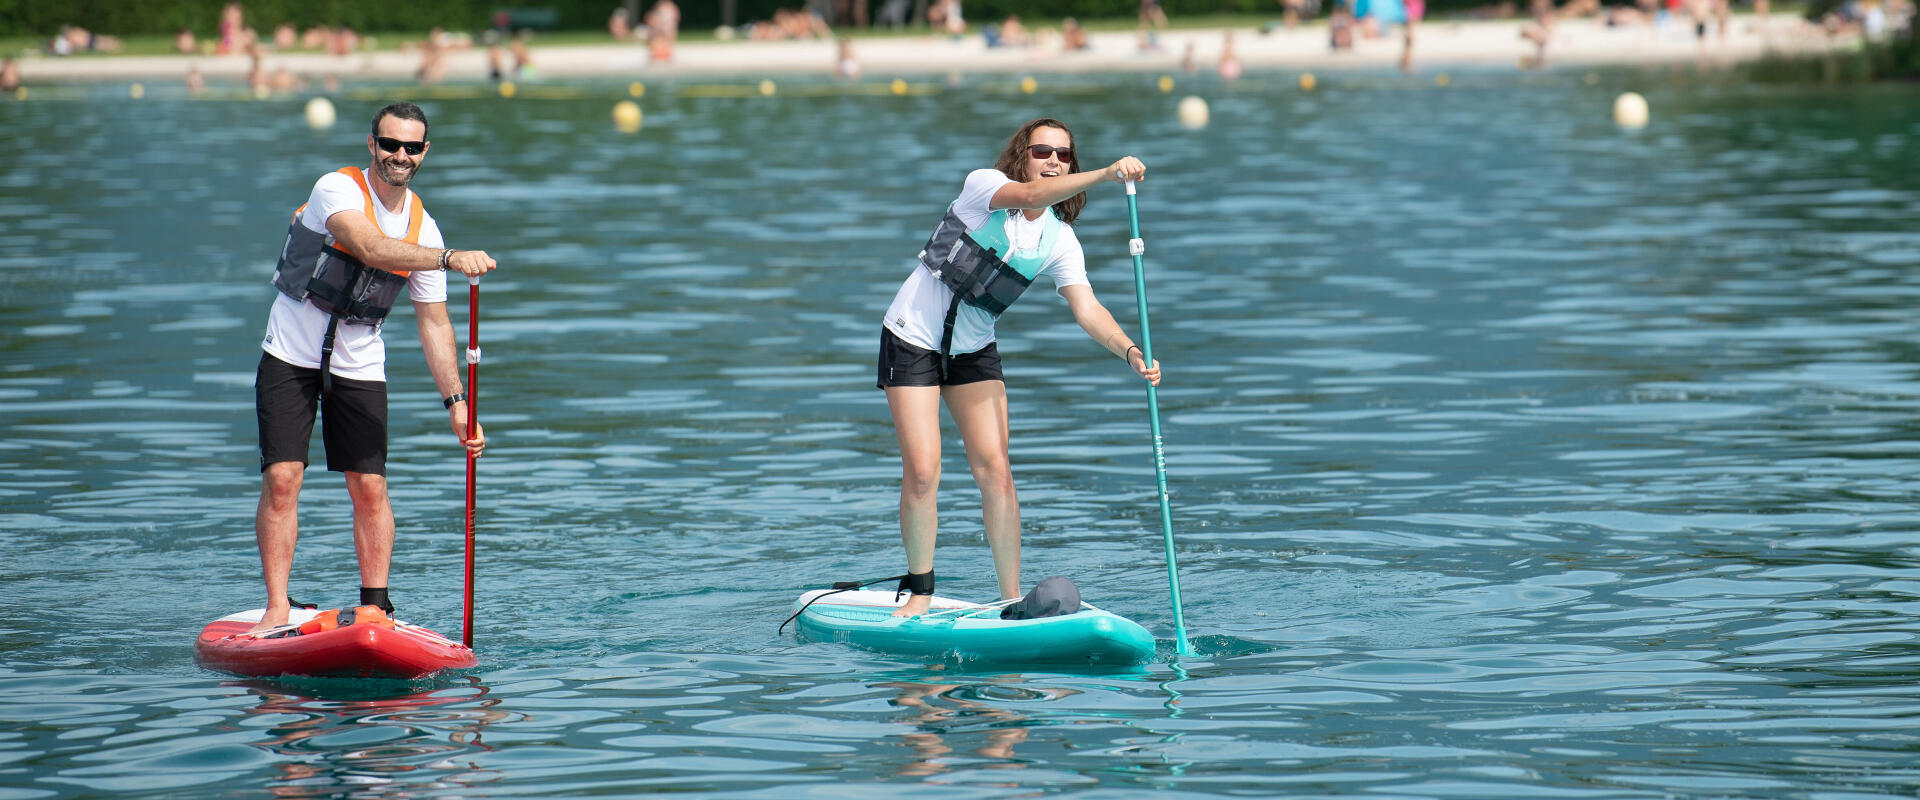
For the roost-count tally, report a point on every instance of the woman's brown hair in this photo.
(1013, 162)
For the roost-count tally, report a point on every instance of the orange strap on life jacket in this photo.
(417, 212)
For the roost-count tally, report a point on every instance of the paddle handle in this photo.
(1138, 249)
(473, 428)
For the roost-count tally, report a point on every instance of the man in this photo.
(361, 237)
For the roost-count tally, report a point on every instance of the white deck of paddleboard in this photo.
(294, 617)
(868, 598)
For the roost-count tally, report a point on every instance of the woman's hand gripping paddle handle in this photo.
(473, 429)
(1138, 248)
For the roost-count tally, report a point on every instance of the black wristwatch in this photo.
(454, 398)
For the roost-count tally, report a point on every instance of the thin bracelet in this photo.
(1132, 347)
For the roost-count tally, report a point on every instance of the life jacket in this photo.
(981, 267)
(315, 268)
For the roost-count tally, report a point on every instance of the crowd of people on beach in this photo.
(1348, 24)
(1873, 19)
(233, 36)
(659, 29)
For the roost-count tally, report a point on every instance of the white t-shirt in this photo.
(295, 328)
(919, 310)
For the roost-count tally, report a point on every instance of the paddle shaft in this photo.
(1138, 249)
(473, 428)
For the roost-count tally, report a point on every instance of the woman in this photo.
(1010, 224)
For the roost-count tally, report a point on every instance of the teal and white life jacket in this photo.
(982, 267)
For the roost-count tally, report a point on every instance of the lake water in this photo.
(1511, 454)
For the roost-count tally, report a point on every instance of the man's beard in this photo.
(386, 173)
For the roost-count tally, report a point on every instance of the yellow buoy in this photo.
(636, 89)
(261, 92)
(1028, 85)
(1307, 81)
(1630, 110)
(1193, 112)
(899, 86)
(136, 91)
(1441, 80)
(20, 93)
(507, 88)
(767, 88)
(1166, 83)
(626, 116)
(319, 112)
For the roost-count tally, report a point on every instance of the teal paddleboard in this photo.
(971, 631)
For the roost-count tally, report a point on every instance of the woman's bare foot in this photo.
(915, 606)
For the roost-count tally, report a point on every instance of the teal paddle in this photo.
(1139, 248)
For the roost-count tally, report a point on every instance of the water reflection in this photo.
(376, 745)
(946, 712)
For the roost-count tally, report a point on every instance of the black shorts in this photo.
(355, 430)
(903, 364)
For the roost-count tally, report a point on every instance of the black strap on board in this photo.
(838, 587)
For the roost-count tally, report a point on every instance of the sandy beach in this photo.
(1440, 44)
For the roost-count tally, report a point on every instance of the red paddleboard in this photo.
(357, 651)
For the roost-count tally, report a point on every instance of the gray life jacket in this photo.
(312, 268)
(981, 267)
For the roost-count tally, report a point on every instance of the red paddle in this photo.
(473, 426)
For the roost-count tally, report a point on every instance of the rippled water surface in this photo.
(1511, 455)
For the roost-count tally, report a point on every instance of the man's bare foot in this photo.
(915, 606)
(275, 617)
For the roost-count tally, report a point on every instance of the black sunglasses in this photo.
(1044, 150)
(394, 145)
